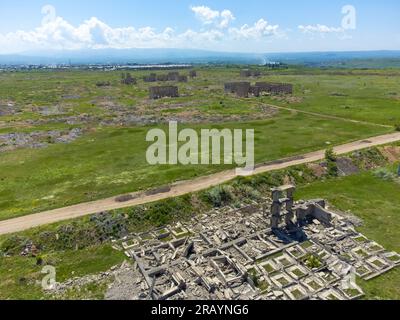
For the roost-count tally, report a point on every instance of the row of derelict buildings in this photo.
(242, 89)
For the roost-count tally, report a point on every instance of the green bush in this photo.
(13, 245)
(331, 159)
(384, 174)
(245, 191)
(220, 196)
(313, 262)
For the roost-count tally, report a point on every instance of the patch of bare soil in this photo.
(8, 108)
(317, 169)
(392, 153)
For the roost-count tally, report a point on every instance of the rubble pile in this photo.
(37, 139)
(279, 250)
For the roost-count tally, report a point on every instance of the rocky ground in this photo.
(37, 139)
(119, 281)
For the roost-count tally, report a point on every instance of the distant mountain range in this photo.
(184, 56)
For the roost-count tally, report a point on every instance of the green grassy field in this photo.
(377, 203)
(21, 276)
(370, 98)
(111, 161)
(373, 199)
(110, 158)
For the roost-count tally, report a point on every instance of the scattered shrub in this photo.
(13, 245)
(313, 262)
(384, 174)
(331, 159)
(220, 196)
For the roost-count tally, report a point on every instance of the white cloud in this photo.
(259, 30)
(57, 33)
(92, 34)
(319, 28)
(208, 16)
(226, 18)
(205, 14)
(202, 37)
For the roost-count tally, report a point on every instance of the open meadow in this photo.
(106, 126)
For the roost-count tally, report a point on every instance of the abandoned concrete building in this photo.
(150, 78)
(162, 77)
(275, 88)
(163, 91)
(244, 89)
(171, 76)
(127, 79)
(250, 73)
(275, 250)
(182, 78)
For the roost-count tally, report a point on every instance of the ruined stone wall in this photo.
(242, 89)
(150, 78)
(249, 73)
(173, 76)
(275, 88)
(255, 91)
(182, 78)
(321, 214)
(230, 87)
(245, 73)
(127, 79)
(162, 77)
(165, 91)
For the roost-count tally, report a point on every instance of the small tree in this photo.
(331, 160)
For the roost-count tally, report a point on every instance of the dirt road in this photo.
(177, 189)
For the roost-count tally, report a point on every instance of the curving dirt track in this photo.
(177, 189)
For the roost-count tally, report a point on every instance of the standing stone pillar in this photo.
(275, 209)
(289, 207)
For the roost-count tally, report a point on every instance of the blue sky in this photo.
(243, 26)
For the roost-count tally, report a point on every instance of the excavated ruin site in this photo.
(279, 250)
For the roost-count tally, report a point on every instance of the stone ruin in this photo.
(171, 76)
(193, 74)
(127, 79)
(247, 73)
(150, 78)
(163, 91)
(275, 88)
(241, 89)
(283, 208)
(277, 250)
(244, 89)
